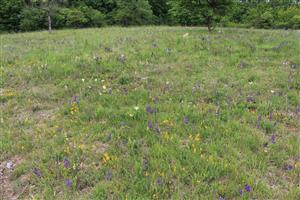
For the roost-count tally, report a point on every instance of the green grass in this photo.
(223, 85)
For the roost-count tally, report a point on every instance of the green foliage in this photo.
(32, 19)
(97, 13)
(133, 12)
(200, 12)
(10, 14)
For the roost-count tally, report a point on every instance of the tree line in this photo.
(31, 15)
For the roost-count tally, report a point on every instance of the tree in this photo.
(160, 9)
(133, 12)
(10, 14)
(207, 12)
(49, 6)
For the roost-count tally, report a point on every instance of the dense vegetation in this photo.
(150, 113)
(28, 15)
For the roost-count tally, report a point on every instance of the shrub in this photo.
(32, 19)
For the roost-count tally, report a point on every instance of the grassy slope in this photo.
(221, 83)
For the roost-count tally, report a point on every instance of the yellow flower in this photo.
(106, 157)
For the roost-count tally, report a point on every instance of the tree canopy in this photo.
(29, 15)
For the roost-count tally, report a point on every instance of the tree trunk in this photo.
(49, 23)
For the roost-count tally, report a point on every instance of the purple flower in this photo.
(273, 138)
(250, 99)
(68, 183)
(75, 99)
(288, 167)
(271, 116)
(186, 120)
(159, 181)
(149, 110)
(150, 125)
(298, 110)
(66, 163)
(154, 45)
(248, 188)
(37, 172)
(222, 198)
(241, 192)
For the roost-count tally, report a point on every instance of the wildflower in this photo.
(185, 35)
(272, 91)
(273, 138)
(150, 125)
(37, 172)
(66, 163)
(9, 165)
(221, 198)
(149, 110)
(136, 108)
(68, 183)
(82, 79)
(104, 87)
(250, 83)
(159, 181)
(186, 120)
(250, 99)
(154, 45)
(288, 167)
(241, 192)
(271, 116)
(298, 110)
(106, 157)
(248, 188)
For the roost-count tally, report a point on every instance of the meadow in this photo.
(150, 113)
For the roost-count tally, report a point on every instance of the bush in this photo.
(10, 14)
(33, 19)
(95, 17)
(75, 18)
(133, 12)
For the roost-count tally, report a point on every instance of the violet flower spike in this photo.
(66, 163)
(273, 138)
(150, 125)
(248, 188)
(68, 183)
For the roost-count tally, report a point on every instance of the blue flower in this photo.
(68, 183)
(273, 138)
(66, 163)
(149, 110)
(248, 188)
(150, 125)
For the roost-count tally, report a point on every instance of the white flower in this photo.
(131, 115)
(185, 35)
(83, 80)
(96, 80)
(272, 91)
(136, 108)
(250, 82)
(104, 87)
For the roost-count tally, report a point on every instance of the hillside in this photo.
(150, 113)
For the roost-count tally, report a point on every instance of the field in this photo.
(150, 113)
